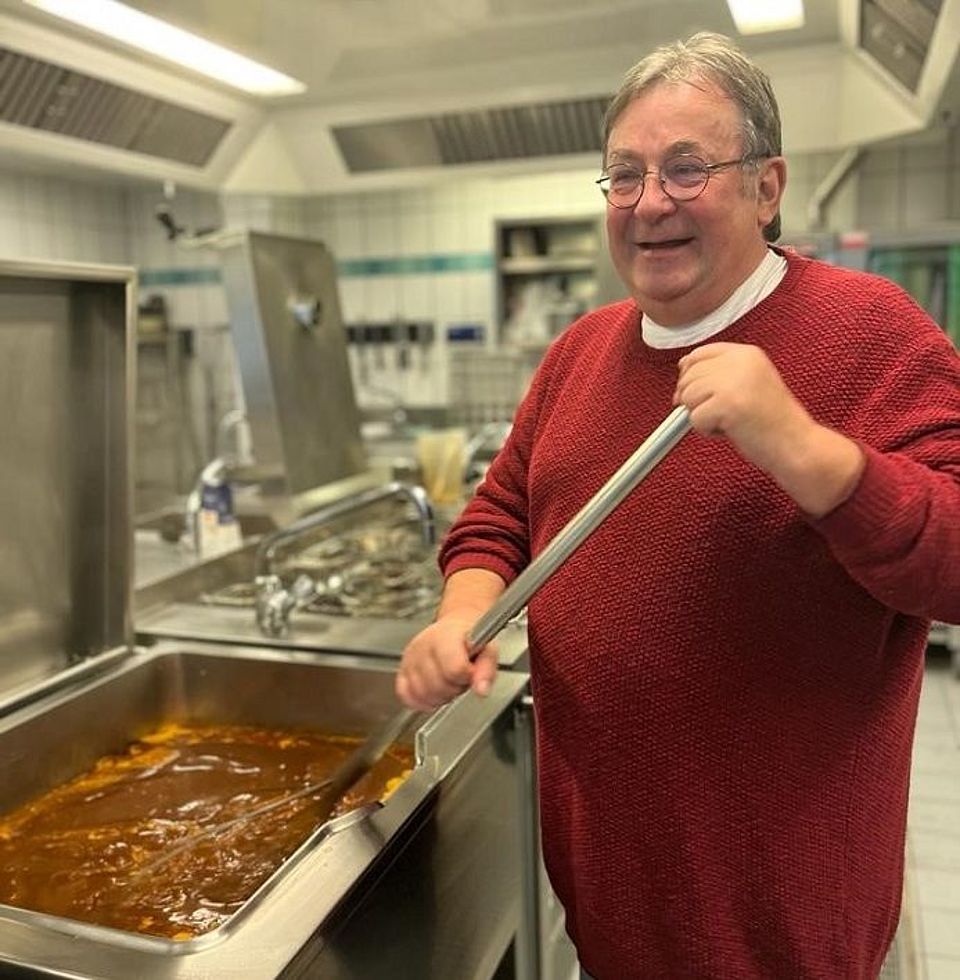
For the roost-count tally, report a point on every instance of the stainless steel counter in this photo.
(155, 559)
(377, 637)
(172, 607)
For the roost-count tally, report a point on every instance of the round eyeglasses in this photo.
(682, 178)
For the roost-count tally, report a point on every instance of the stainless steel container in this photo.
(65, 395)
(291, 350)
(426, 885)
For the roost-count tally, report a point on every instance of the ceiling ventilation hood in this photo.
(481, 136)
(897, 33)
(54, 99)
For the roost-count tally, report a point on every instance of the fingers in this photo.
(717, 384)
(697, 393)
(425, 683)
(409, 693)
(435, 667)
(484, 670)
(705, 353)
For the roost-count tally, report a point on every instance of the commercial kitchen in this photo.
(261, 338)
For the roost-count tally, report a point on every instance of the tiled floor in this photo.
(929, 935)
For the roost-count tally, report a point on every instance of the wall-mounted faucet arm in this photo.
(346, 505)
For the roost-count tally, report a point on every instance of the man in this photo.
(726, 672)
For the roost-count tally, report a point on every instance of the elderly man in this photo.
(726, 673)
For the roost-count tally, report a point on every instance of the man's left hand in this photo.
(734, 391)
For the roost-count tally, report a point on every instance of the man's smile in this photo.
(662, 245)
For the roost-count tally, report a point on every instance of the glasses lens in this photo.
(622, 187)
(684, 176)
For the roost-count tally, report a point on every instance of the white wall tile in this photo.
(414, 232)
(478, 289)
(212, 307)
(350, 236)
(925, 199)
(941, 967)
(936, 851)
(879, 205)
(351, 298)
(941, 935)
(450, 299)
(383, 297)
(46, 216)
(417, 296)
(447, 228)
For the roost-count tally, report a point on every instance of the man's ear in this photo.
(772, 180)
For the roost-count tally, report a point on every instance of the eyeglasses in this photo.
(683, 178)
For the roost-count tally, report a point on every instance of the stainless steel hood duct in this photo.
(897, 34)
(289, 338)
(504, 133)
(54, 99)
(828, 187)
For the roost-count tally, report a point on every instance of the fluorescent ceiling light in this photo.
(130, 26)
(759, 16)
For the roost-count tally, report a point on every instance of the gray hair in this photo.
(712, 58)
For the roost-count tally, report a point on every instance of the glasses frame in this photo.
(710, 168)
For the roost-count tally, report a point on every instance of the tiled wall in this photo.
(57, 217)
(52, 217)
(451, 226)
(907, 187)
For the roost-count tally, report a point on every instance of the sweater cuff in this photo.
(876, 503)
(482, 560)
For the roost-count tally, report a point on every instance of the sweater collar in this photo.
(796, 266)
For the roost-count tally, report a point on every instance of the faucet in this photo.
(275, 602)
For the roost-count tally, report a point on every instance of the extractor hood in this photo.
(389, 122)
(52, 98)
(542, 129)
(63, 99)
(898, 33)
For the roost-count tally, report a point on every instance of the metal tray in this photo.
(65, 732)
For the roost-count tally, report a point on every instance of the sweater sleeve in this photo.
(898, 534)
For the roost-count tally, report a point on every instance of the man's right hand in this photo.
(436, 666)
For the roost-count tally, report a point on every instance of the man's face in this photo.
(681, 260)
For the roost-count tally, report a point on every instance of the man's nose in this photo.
(654, 200)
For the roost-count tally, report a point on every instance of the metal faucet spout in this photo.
(276, 603)
(346, 505)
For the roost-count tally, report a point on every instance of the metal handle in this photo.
(670, 431)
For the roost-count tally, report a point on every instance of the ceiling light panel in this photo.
(123, 23)
(761, 16)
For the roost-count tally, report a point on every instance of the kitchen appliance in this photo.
(386, 893)
(291, 350)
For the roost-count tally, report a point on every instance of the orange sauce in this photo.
(75, 850)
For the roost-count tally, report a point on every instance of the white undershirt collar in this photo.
(753, 290)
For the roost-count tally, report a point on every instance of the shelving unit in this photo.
(546, 277)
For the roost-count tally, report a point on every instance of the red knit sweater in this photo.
(726, 691)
